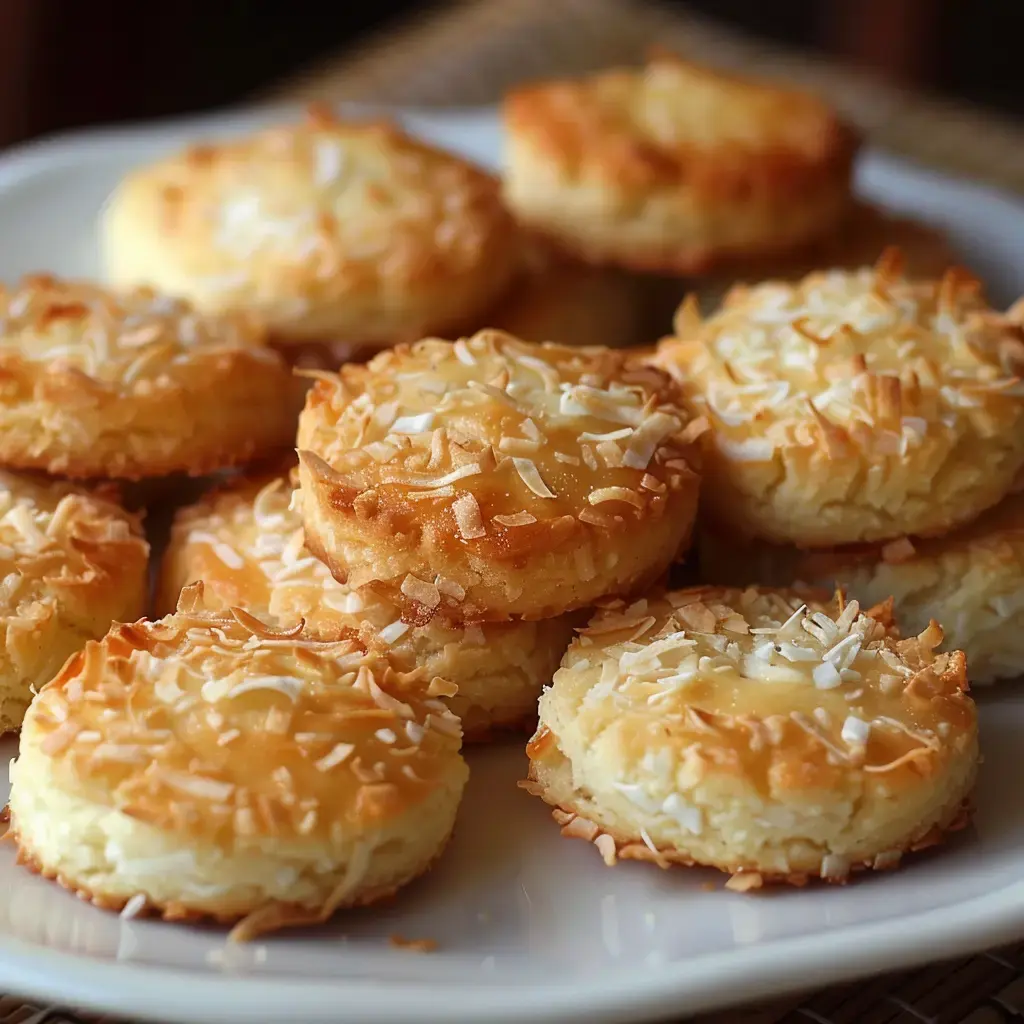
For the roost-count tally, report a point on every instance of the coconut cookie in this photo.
(71, 562)
(491, 478)
(854, 406)
(246, 544)
(209, 766)
(134, 385)
(971, 580)
(760, 732)
(674, 168)
(347, 232)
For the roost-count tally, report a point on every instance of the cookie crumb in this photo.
(413, 945)
(745, 881)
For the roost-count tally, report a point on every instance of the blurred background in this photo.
(67, 63)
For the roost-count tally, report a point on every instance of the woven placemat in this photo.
(468, 54)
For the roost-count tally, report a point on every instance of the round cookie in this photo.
(347, 232)
(71, 562)
(209, 766)
(95, 384)
(491, 478)
(674, 168)
(246, 545)
(970, 580)
(853, 406)
(761, 732)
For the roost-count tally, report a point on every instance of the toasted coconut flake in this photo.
(439, 687)
(338, 754)
(468, 517)
(393, 631)
(470, 469)
(418, 424)
(626, 494)
(606, 847)
(421, 591)
(530, 476)
(523, 518)
(646, 438)
(745, 881)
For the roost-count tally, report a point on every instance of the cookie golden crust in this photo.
(71, 562)
(971, 580)
(674, 168)
(95, 384)
(490, 478)
(207, 765)
(853, 406)
(246, 544)
(348, 232)
(759, 731)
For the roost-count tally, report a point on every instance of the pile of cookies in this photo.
(480, 537)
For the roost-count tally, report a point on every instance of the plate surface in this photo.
(530, 927)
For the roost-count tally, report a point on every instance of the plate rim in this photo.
(690, 986)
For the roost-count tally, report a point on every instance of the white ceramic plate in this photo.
(530, 927)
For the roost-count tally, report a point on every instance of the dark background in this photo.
(65, 63)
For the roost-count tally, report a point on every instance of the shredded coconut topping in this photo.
(128, 341)
(759, 666)
(327, 736)
(863, 360)
(440, 414)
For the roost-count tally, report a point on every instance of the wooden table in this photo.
(469, 54)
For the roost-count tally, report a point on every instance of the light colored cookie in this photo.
(674, 168)
(71, 562)
(207, 766)
(491, 478)
(766, 733)
(331, 231)
(245, 543)
(95, 384)
(970, 580)
(854, 405)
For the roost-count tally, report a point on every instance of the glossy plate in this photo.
(529, 926)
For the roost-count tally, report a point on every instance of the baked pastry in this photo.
(246, 545)
(492, 478)
(208, 766)
(674, 168)
(854, 406)
(134, 385)
(70, 563)
(970, 580)
(572, 303)
(859, 241)
(331, 231)
(768, 733)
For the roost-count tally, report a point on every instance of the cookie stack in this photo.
(868, 431)
(474, 526)
(695, 179)
(490, 481)
(103, 387)
(245, 542)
